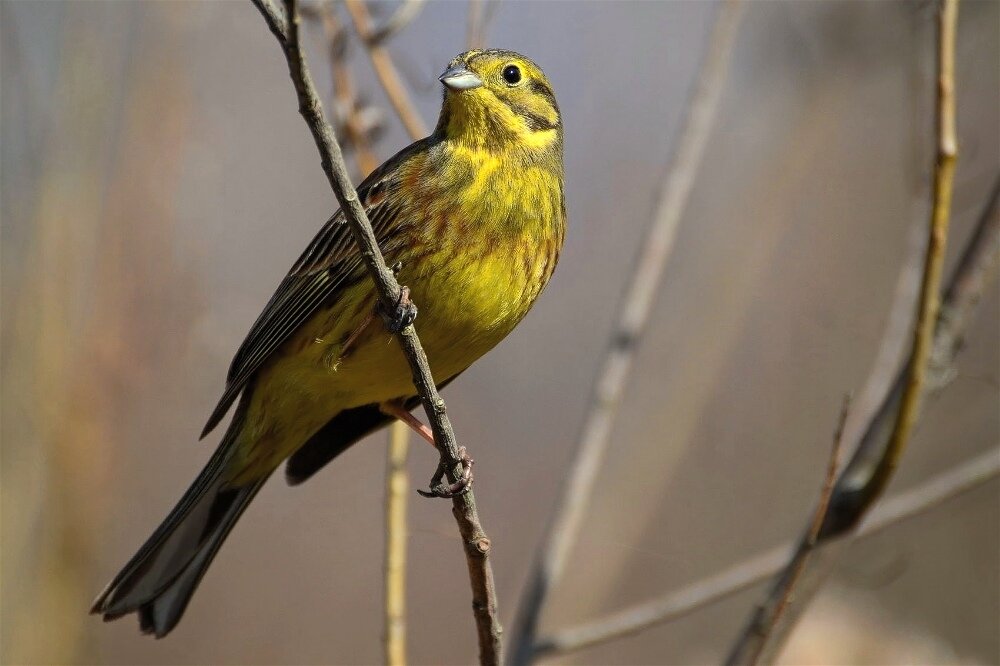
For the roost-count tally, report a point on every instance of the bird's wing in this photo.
(316, 278)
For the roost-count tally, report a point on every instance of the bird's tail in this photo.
(158, 581)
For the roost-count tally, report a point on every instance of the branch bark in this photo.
(477, 545)
(861, 481)
(570, 509)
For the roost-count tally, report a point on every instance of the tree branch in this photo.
(397, 485)
(908, 504)
(350, 119)
(477, 545)
(386, 70)
(767, 615)
(632, 319)
(868, 482)
(401, 18)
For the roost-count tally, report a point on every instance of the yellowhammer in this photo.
(472, 217)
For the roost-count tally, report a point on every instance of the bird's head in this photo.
(499, 100)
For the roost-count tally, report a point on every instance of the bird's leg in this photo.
(396, 409)
(353, 337)
(400, 316)
(438, 487)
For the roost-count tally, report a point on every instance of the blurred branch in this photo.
(397, 485)
(766, 617)
(928, 495)
(477, 545)
(480, 13)
(386, 70)
(345, 108)
(401, 18)
(758, 638)
(632, 319)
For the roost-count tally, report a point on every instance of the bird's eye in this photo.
(512, 74)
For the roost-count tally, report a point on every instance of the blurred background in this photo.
(157, 182)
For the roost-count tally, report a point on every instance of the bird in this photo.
(472, 219)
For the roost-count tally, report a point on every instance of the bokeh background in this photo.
(157, 182)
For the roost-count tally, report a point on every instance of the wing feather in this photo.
(330, 260)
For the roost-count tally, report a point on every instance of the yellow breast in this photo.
(476, 258)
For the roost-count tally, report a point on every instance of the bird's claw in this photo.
(447, 491)
(402, 315)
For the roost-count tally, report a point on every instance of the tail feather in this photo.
(162, 612)
(160, 578)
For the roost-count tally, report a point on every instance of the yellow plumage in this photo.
(473, 217)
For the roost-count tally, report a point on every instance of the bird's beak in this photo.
(458, 78)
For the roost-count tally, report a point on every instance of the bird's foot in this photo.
(401, 315)
(445, 490)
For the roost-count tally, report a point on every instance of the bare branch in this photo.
(397, 486)
(477, 545)
(632, 318)
(767, 615)
(975, 270)
(345, 105)
(480, 14)
(386, 71)
(926, 496)
(401, 18)
(473, 26)
(873, 462)
(869, 481)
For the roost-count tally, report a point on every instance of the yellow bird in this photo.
(471, 217)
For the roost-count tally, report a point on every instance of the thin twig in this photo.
(478, 17)
(767, 615)
(345, 106)
(401, 18)
(397, 487)
(752, 643)
(477, 545)
(386, 71)
(926, 496)
(474, 17)
(632, 318)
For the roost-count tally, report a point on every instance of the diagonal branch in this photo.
(861, 484)
(477, 545)
(386, 70)
(632, 319)
(345, 105)
(907, 504)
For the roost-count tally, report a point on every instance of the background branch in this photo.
(480, 13)
(976, 269)
(632, 319)
(397, 486)
(477, 545)
(345, 107)
(401, 18)
(908, 504)
(386, 70)
(863, 485)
